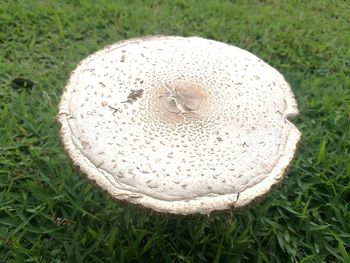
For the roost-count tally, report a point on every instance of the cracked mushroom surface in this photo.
(179, 125)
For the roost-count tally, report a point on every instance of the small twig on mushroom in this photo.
(134, 95)
(114, 109)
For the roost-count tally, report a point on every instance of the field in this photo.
(49, 213)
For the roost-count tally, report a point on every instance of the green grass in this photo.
(49, 213)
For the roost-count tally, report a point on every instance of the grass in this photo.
(48, 213)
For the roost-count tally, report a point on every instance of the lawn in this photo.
(49, 213)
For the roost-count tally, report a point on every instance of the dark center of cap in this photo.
(181, 100)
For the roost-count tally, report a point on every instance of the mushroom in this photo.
(179, 125)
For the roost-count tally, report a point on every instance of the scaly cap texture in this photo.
(179, 125)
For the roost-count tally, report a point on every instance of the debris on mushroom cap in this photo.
(179, 125)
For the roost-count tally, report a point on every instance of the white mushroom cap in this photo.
(179, 125)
